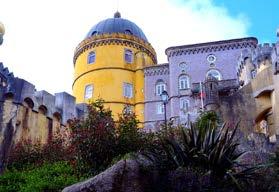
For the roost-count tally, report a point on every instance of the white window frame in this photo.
(160, 109)
(128, 56)
(127, 90)
(89, 57)
(160, 87)
(184, 105)
(214, 70)
(183, 82)
(87, 92)
(253, 74)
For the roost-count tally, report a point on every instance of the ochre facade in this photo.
(110, 71)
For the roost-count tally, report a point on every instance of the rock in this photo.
(123, 176)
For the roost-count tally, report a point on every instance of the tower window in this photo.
(214, 73)
(129, 32)
(160, 108)
(128, 56)
(160, 87)
(127, 90)
(183, 82)
(91, 57)
(253, 73)
(184, 105)
(88, 92)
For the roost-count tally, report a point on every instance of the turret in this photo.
(211, 93)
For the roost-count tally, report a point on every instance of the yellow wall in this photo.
(107, 75)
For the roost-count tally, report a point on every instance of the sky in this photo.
(41, 36)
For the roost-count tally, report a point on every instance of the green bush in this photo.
(48, 177)
(93, 140)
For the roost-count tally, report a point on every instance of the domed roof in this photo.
(116, 25)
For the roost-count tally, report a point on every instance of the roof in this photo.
(116, 25)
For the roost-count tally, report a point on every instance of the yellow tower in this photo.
(109, 65)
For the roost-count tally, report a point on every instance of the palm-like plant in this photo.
(204, 147)
(208, 149)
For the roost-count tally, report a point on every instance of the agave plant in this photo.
(208, 149)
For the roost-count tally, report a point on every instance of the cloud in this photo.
(41, 35)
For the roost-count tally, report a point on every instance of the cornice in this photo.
(154, 70)
(115, 39)
(249, 42)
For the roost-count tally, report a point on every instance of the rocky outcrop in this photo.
(125, 175)
(139, 176)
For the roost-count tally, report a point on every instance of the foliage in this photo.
(26, 153)
(208, 119)
(274, 177)
(206, 149)
(129, 136)
(93, 139)
(48, 177)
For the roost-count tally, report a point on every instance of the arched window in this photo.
(94, 33)
(183, 82)
(91, 57)
(214, 73)
(128, 56)
(129, 32)
(184, 105)
(160, 87)
(160, 108)
(88, 93)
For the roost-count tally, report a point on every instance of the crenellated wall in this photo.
(27, 114)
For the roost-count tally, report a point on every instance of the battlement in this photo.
(262, 52)
(244, 55)
(22, 92)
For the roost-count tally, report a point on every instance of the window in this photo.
(128, 90)
(160, 87)
(91, 57)
(160, 108)
(183, 82)
(211, 58)
(214, 73)
(184, 105)
(127, 109)
(88, 92)
(129, 32)
(128, 56)
(253, 73)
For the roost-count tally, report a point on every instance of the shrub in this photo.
(48, 177)
(93, 139)
(26, 153)
(129, 136)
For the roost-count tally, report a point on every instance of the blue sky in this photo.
(50, 30)
(263, 16)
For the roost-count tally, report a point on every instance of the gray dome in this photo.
(116, 25)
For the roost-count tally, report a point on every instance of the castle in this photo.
(238, 78)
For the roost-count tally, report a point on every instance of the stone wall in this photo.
(27, 114)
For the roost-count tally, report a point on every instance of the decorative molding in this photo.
(210, 47)
(104, 68)
(156, 70)
(115, 39)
